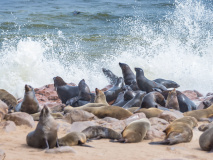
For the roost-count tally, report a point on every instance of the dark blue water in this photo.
(75, 39)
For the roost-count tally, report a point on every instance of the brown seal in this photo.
(111, 76)
(101, 132)
(201, 115)
(107, 111)
(150, 112)
(206, 140)
(100, 97)
(57, 115)
(45, 134)
(8, 98)
(128, 75)
(179, 131)
(147, 85)
(65, 91)
(172, 101)
(72, 139)
(135, 131)
(30, 103)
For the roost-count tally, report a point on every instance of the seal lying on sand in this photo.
(206, 140)
(135, 131)
(179, 131)
(64, 91)
(30, 103)
(72, 139)
(45, 134)
(100, 132)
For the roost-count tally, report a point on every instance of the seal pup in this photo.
(45, 134)
(113, 92)
(145, 84)
(185, 104)
(136, 101)
(135, 131)
(206, 140)
(72, 139)
(167, 83)
(100, 97)
(30, 103)
(84, 95)
(128, 75)
(172, 101)
(201, 115)
(99, 132)
(110, 76)
(65, 91)
(179, 131)
(8, 98)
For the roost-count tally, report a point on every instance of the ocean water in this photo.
(170, 39)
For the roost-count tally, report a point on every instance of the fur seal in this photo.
(36, 116)
(135, 131)
(30, 103)
(83, 97)
(128, 75)
(185, 104)
(113, 92)
(127, 96)
(153, 99)
(45, 134)
(172, 101)
(136, 101)
(100, 132)
(100, 97)
(8, 98)
(201, 115)
(108, 111)
(134, 86)
(179, 131)
(111, 76)
(206, 140)
(167, 83)
(65, 91)
(145, 84)
(150, 112)
(72, 139)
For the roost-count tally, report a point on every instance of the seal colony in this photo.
(115, 111)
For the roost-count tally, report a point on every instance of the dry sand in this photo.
(15, 147)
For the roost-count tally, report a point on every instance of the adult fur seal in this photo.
(172, 101)
(179, 131)
(128, 75)
(72, 139)
(128, 95)
(84, 95)
(30, 103)
(201, 115)
(167, 83)
(145, 84)
(110, 76)
(135, 131)
(150, 112)
(100, 132)
(206, 140)
(136, 101)
(45, 134)
(185, 104)
(152, 99)
(65, 91)
(108, 111)
(8, 98)
(113, 92)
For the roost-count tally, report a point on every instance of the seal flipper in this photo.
(57, 144)
(84, 145)
(164, 142)
(46, 144)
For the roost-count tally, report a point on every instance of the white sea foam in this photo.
(179, 49)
